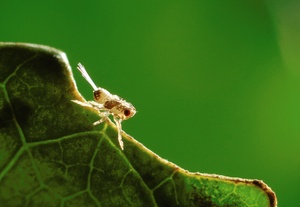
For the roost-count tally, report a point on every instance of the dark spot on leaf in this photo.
(199, 198)
(5, 115)
(22, 111)
(270, 193)
(45, 63)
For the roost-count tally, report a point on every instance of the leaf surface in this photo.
(52, 155)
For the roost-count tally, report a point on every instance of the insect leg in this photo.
(96, 105)
(104, 116)
(83, 103)
(119, 126)
(100, 121)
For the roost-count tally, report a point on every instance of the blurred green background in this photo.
(216, 83)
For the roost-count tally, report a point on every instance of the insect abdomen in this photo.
(101, 95)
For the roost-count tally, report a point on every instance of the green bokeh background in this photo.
(216, 83)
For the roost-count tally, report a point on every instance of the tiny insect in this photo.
(107, 104)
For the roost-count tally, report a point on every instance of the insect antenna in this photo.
(86, 76)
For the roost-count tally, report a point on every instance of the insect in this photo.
(107, 104)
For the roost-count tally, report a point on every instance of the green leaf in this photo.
(52, 155)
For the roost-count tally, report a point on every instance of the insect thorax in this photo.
(120, 108)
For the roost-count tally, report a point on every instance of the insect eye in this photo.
(127, 112)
